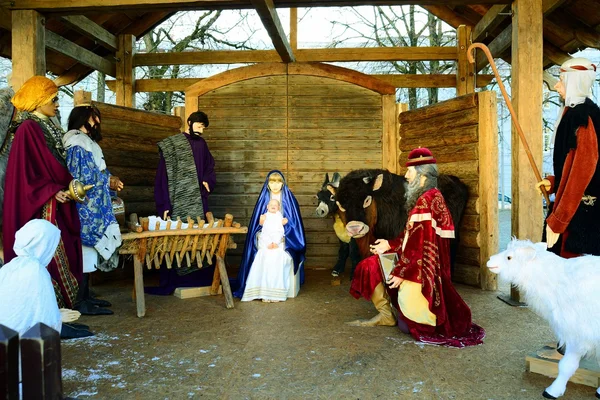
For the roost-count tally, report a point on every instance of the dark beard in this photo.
(96, 134)
(414, 191)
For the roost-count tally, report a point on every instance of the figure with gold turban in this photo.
(37, 181)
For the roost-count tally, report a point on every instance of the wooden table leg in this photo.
(138, 270)
(225, 282)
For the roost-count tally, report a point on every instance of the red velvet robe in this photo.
(425, 259)
(33, 177)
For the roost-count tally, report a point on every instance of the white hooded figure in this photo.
(26, 292)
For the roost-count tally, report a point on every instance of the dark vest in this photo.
(584, 228)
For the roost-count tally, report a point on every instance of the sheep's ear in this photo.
(527, 253)
(378, 182)
(326, 179)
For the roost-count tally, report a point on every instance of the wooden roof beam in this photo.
(503, 41)
(490, 21)
(5, 19)
(82, 6)
(92, 30)
(396, 80)
(268, 15)
(446, 14)
(302, 55)
(63, 46)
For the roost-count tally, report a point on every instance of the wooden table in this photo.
(182, 246)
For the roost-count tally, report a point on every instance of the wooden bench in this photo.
(181, 247)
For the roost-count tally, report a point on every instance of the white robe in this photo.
(26, 292)
(272, 269)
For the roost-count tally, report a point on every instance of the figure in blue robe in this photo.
(295, 242)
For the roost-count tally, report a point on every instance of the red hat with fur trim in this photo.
(420, 156)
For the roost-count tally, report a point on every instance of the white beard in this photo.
(414, 191)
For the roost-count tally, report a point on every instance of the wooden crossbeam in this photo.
(89, 28)
(206, 57)
(502, 42)
(447, 15)
(78, 53)
(303, 55)
(377, 54)
(5, 19)
(490, 21)
(81, 6)
(74, 74)
(268, 15)
(497, 47)
(397, 80)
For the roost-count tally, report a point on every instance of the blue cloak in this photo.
(295, 242)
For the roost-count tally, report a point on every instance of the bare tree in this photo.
(205, 34)
(400, 26)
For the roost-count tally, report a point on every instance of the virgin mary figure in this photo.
(273, 274)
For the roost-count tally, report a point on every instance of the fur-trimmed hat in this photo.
(36, 91)
(420, 156)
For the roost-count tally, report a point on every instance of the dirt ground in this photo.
(299, 349)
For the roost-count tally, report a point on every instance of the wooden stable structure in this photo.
(72, 39)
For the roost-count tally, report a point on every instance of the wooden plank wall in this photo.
(302, 125)
(462, 135)
(130, 149)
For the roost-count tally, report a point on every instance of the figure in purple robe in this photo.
(182, 187)
(184, 179)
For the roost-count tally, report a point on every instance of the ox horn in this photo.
(342, 209)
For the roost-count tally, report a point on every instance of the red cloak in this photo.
(33, 177)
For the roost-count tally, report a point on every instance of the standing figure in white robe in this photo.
(269, 277)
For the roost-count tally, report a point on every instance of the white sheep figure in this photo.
(565, 292)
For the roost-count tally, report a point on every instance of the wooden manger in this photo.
(181, 247)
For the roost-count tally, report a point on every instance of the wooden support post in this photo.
(179, 111)
(527, 69)
(294, 29)
(390, 133)
(81, 97)
(125, 84)
(400, 108)
(488, 186)
(225, 282)
(28, 46)
(138, 270)
(40, 363)
(465, 71)
(9, 364)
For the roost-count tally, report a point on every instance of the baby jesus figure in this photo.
(272, 222)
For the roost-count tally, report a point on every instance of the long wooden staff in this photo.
(488, 54)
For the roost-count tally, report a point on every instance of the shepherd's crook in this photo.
(510, 108)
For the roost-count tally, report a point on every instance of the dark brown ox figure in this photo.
(371, 203)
